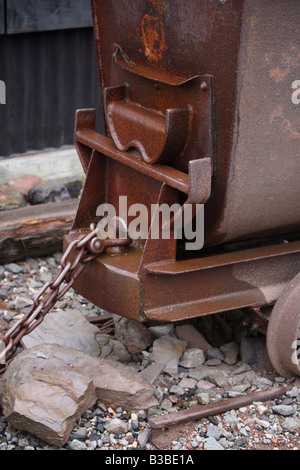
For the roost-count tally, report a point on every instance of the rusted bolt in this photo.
(204, 86)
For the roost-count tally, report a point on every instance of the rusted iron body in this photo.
(197, 102)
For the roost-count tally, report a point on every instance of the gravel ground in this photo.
(260, 426)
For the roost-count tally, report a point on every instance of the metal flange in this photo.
(283, 334)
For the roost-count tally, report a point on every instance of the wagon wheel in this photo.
(283, 334)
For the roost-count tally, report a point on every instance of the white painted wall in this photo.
(47, 165)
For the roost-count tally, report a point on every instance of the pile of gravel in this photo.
(270, 425)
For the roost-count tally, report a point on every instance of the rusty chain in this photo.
(79, 253)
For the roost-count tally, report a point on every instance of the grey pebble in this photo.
(283, 410)
(213, 431)
(77, 445)
(14, 268)
(212, 444)
(144, 437)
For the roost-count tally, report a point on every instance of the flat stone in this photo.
(167, 350)
(192, 358)
(48, 387)
(66, 328)
(116, 426)
(192, 337)
(24, 183)
(45, 401)
(151, 372)
(135, 336)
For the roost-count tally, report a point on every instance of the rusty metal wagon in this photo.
(197, 103)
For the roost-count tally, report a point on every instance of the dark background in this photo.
(48, 63)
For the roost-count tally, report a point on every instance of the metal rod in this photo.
(203, 411)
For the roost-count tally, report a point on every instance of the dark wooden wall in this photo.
(48, 63)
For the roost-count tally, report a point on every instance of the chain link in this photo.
(79, 253)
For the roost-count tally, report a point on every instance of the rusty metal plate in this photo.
(248, 47)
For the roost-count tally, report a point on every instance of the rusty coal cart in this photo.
(197, 99)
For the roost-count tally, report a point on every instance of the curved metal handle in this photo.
(156, 136)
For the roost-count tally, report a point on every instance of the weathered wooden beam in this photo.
(35, 230)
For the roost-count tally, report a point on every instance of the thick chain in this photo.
(78, 254)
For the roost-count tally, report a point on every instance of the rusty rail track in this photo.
(203, 411)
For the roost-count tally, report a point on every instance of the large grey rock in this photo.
(45, 401)
(192, 337)
(66, 328)
(57, 190)
(135, 336)
(167, 351)
(115, 384)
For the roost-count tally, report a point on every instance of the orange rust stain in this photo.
(287, 125)
(153, 38)
(287, 64)
(278, 74)
(160, 6)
